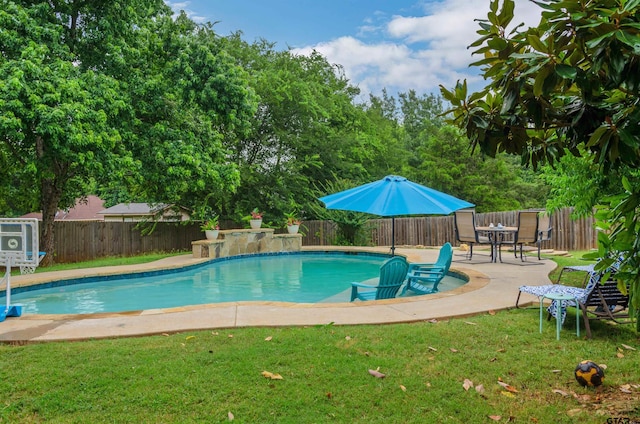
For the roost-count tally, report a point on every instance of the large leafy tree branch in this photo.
(117, 94)
(569, 85)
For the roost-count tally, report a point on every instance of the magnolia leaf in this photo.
(620, 355)
(453, 350)
(495, 417)
(480, 389)
(508, 387)
(603, 366)
(272, 376)
(230, 416)
(404, 389)
(467, 384)
(560, 392)
(433, 349)
(165, 334)
(628, 347)
(377, 374)
(626, 388)
(268, 339)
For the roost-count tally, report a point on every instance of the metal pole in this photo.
(393, 236)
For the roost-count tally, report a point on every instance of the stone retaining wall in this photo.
(246, 241)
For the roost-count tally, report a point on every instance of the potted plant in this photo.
(256, 218)
(211, 228)
(292, 223)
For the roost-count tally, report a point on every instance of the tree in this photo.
(306, 129)
(569, 85)
(116, 93)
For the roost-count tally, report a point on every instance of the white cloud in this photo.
(184, 5)
(422, 51)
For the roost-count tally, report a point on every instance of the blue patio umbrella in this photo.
(394, 196)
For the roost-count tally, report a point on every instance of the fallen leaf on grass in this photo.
(453, 350)
(329, 395)
(508, 394)
(628, 347)
(433, 349)
(556, 371)
(492, 312)
(165, 334)
(467, 384)
(273, 376)
(190, 337)
(626, 388)
(574, 412)
(404, 389)
(377, 374)
(230, 416)
(348, 338)
(560, 392)
(495, 417)
(268, 339)
(480, 389)
(214, 333)
(620, 355)
(470, 323)
(230, 336)
(508, 387)
(433, 321)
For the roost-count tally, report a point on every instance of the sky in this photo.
(399, 45)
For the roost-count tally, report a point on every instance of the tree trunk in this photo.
(50, 195)
(50, 201)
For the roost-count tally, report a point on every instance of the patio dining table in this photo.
(495, 234)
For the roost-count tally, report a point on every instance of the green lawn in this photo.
(217, 376)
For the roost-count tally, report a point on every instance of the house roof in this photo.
(87, 209)
(135, 209)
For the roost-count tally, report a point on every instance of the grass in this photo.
(108, 261)
(215, 376)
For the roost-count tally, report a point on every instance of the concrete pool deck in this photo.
(491, 287)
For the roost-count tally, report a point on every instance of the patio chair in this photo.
(527, 233)
(465, 226)
(597, 301)
(423, 278)
(392, 275)
(544, 230)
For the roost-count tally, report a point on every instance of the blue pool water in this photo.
(302, 278)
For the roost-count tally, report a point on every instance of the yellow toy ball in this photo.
(588, 373)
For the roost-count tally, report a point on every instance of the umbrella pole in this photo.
(393, 236)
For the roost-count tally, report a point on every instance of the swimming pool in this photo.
(293, 277)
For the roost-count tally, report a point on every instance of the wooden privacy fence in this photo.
(567, 234)
(86, 240)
